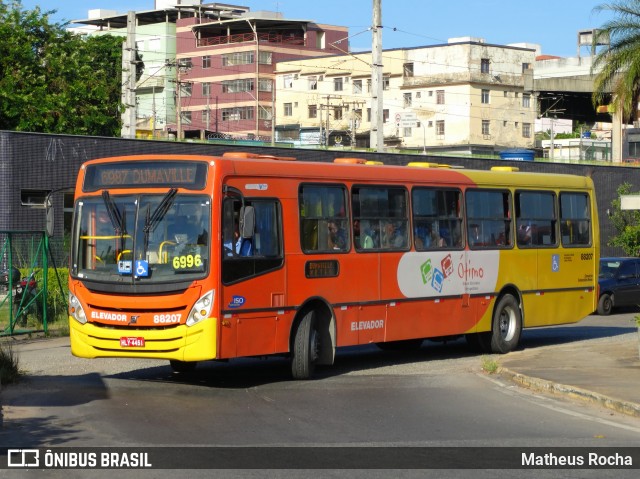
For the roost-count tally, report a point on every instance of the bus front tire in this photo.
(306, 347)
(182, 366)
(605, 305)
(506, 327)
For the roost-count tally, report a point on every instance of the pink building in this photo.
(226, 70)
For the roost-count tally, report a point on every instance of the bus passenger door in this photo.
(253, 277)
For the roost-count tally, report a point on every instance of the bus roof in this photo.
(270, 166)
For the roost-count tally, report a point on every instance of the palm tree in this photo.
(618, 66)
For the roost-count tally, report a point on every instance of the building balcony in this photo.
(279, 38)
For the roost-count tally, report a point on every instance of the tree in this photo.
(618, 65)
(626, 223)
(54, 81)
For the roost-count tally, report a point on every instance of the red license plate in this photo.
(129, 342)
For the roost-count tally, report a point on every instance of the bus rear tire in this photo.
(506, 327)
(182, 366)
(306, 347)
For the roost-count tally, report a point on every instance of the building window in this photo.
(485, 127)
(357, 87)
(237, 58)
(484, 65)
(237, 113)
(287, 81)
(526, 130)
(337, 113)
(407, 69)
(440, 97)
(337, 84)
(265, 113)
(312, 82)
(369, 115)
(313, 111)
(206, 117)
(185, 116)
(236, 86)
(407, 100)
(265, 58)
(485, 96)
(385, 83)
(407, 132)
(369, 85)
(265, 84)
(526, 100)
(206, 89)
(440, 128)
(34, 198)
(385, 115)
(206, 61)
(186, 89)
(288, 109)
(525, 67)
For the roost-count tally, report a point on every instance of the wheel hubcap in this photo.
(507, 324)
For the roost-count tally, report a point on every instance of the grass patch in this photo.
(9, 371)
(489, 364)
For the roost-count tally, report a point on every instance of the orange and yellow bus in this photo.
(195, 258)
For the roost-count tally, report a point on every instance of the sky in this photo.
(552, 24)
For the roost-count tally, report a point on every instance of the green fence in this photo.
(24, 278)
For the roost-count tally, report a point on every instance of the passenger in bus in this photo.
(393, 236)
(337, 238)
(436, 240)
(524, 234)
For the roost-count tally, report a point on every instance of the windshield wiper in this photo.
(117, 220)
(153, 219)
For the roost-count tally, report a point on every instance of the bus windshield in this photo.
(141, 238)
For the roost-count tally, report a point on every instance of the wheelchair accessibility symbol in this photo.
(142, 268)
(555, 263)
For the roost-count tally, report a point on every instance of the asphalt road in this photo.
(435, 397)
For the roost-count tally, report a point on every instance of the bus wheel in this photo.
(182, 366)
(506, 326)
(306, 347)
(605, 305)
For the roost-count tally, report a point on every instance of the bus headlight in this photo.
(201, 310)
(76, 310)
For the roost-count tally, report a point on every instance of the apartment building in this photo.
(226, 70)
(465, 96)
(155, 42)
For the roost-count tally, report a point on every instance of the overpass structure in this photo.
(564, 88)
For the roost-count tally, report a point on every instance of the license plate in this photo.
(129, 342)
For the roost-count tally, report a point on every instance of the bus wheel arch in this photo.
(312, 339)
(506, 323)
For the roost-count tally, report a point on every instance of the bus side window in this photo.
(575, 219)
(324, 224)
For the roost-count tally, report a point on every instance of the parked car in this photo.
(619, 281)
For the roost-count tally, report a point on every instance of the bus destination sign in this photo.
(185, 174)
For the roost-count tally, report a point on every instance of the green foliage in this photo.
(54, 81)
(626, 223)
(9, 371)
(617, 67)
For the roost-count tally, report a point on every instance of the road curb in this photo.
(624, 407)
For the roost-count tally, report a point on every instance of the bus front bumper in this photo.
(182, 343)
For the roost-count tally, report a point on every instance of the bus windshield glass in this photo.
(141, 238)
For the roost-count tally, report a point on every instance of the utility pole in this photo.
(376, 137)
(129, 79)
